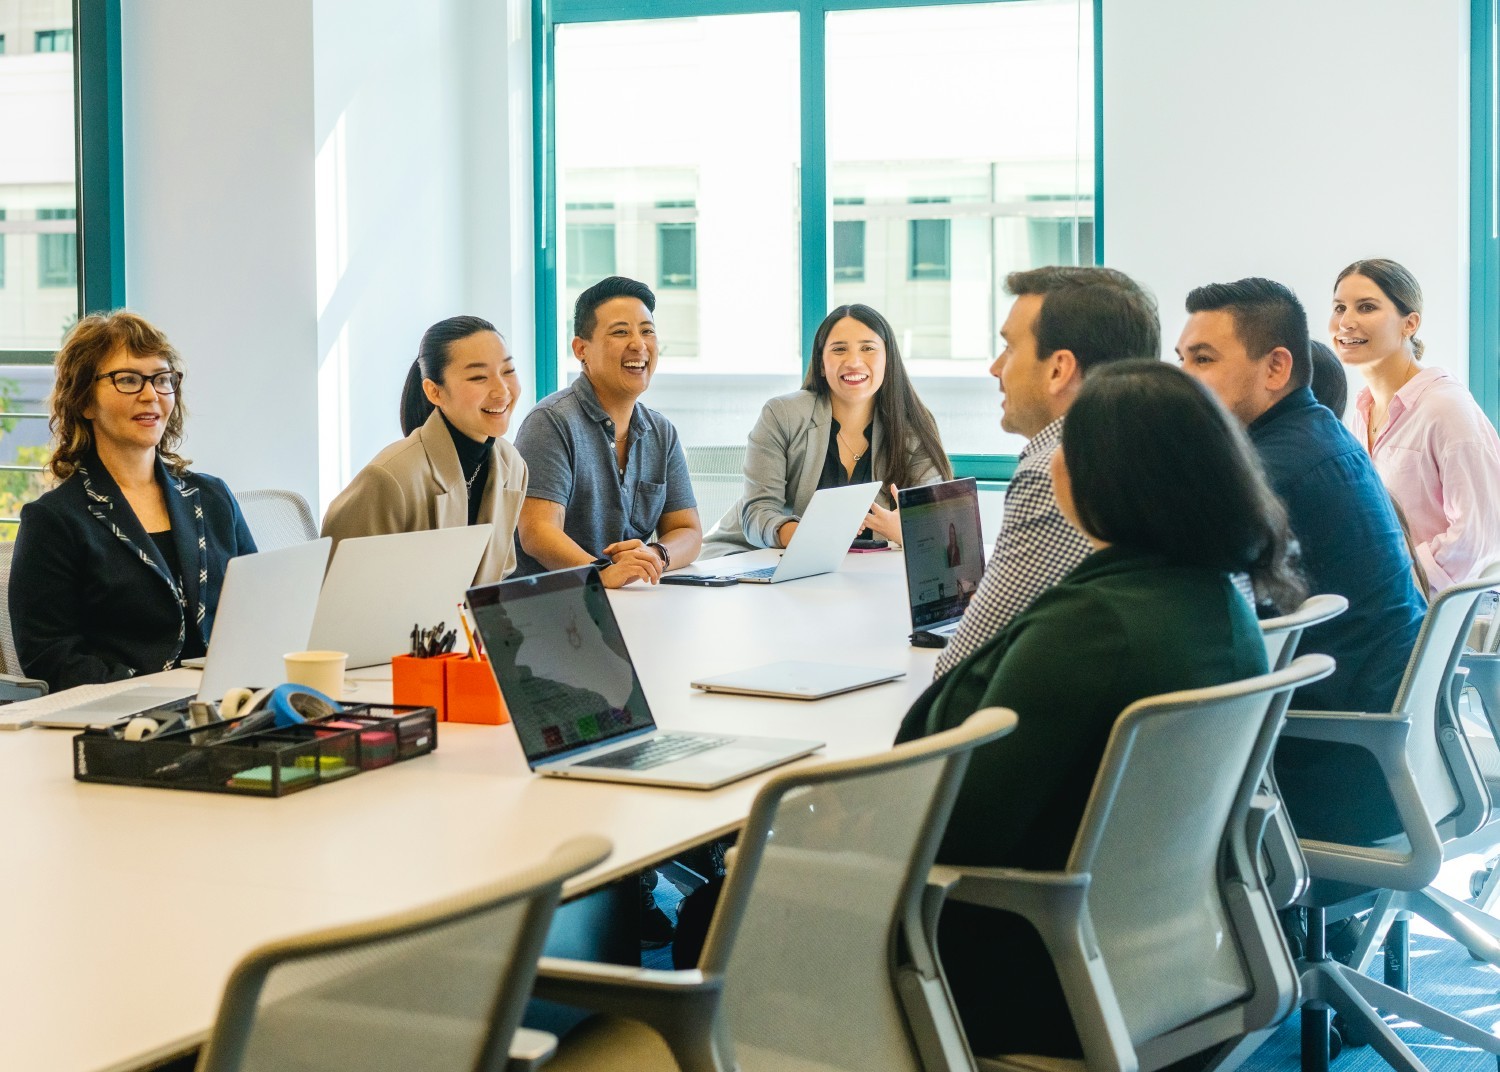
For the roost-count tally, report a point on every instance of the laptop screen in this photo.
(944, 549)
(561, 662)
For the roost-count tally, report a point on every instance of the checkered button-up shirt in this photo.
(1036, 548)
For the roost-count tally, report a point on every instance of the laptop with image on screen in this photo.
(944, 546)
(832, 520)
(575, 699)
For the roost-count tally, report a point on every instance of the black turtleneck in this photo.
(473, 461)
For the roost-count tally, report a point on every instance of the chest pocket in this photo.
(645, 510)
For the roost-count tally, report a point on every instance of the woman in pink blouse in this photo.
(1434, 449)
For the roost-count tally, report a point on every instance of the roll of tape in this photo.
(141, 727)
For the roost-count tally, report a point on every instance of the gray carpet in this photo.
(1443, 975)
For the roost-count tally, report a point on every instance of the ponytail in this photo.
(432, 364)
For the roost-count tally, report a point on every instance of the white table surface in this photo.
(122, 910)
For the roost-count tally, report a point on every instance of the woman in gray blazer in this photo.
(857, 418)
(452, 468)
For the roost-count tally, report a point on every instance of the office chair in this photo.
(718, 476)
(1162, 932)
(1285, 870)
(437, 989)
(799, 968)
(277, 518)
(14, 684)
(1441, 801)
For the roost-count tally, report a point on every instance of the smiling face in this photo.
(479, 388)
(853, 361)
(1025, 408)
(1365, 325)
(620, 356)
(129, 422)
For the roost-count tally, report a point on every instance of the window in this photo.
(1484, 208)
(766, 200)
(2, 44)
(54, 40)
(591, 244)
(57, 253)
(676, 250)
(2, 251)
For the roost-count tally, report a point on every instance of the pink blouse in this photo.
(1439, 457)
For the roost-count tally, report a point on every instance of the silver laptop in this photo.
(265, 610)
(944, 552)
(575, 699)
(380, 586)
(833, 519)
(798, 680)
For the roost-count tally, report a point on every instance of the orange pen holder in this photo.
(473, 695)
(460, 688)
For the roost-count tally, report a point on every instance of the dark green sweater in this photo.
(1122, 626)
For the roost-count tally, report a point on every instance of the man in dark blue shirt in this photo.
(1248, 342)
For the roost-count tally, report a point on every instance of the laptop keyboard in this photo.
(757, 576)
(663, 748)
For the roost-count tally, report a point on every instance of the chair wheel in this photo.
(1335, 1043)
(1352, 1034)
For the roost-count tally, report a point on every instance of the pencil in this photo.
(468, 633)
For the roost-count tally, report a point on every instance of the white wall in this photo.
(1287, 138)
(218, 148)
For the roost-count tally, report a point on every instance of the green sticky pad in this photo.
(261, 777)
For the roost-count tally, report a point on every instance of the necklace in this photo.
(856, 455)
(469, 483)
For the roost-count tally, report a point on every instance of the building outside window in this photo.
(929, 245)
(848, 244)
(57, 254)
(54, 40)
(591, 245)
(676, 250)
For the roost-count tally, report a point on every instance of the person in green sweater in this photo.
(1165, 485)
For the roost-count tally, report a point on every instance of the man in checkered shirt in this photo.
(1064, 322)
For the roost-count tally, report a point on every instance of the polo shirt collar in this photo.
(588, 401)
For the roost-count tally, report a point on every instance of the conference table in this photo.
(123, 910)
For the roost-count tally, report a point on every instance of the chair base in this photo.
(1476, 931)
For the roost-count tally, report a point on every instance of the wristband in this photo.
(661, 550)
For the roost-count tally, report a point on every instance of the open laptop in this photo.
(380, 586)
(832, 520)
(944, 553)
(265, 610)
(575, 699)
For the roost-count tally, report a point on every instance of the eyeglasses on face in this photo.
(130, 382)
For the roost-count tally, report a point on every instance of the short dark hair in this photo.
(1266, 315)
(615, 286)
(1330, 384)
(1125, 441)
(1099, 314)
(433, 355)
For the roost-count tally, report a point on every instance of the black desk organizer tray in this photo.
(269, 763)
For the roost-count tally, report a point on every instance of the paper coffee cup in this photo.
(321, 670)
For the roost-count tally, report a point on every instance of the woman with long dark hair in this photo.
(1435, 450)
(117, 570)
(1166, 487)
(453, 468)
(857, 418)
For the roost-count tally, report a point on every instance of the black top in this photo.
(835, 476)
(473, 462)
(91, 598)
(192, 646)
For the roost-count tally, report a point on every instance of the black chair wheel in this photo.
(1352, 1034)
(1335, 1043)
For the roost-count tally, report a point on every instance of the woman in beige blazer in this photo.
(452, 468)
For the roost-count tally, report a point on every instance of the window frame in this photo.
(1484, 207)
(98, 166)
(816, 224)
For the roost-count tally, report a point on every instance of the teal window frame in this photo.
(1484, 207)
(816, 225)
(99, 165)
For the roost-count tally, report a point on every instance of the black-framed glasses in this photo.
(130, 382)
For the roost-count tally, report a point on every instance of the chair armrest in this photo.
(1269, 829)
(14, 688)
(681, 1006)
(530, 1050)
(1056, 904)
(1384, 736)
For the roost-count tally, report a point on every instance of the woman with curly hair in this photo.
(117, 570)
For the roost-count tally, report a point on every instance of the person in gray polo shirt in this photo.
(606, 472)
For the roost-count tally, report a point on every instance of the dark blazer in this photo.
(1121, 626)
(92, 599)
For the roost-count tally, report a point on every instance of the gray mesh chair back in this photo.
(1283, 634)
(436, 989)
(718, 475)
(10, 663)
(831, 859)
(277, 518)
(1165, 841)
